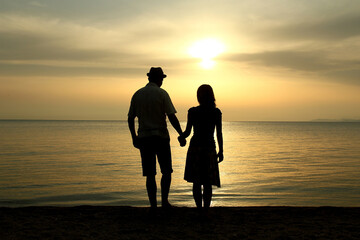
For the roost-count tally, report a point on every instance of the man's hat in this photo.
(156, 72)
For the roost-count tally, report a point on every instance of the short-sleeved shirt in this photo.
(150, 105)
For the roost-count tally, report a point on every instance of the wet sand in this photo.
(100, 222)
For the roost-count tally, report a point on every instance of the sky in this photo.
(280, 60)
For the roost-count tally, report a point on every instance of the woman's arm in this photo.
(220, 139)
(186, 133)
(189, 125)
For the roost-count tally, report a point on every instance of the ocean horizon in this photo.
(93, 162)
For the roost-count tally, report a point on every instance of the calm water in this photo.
(93, 162)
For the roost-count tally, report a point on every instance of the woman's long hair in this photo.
(205, 96)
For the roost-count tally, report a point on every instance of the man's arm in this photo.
(131, 123)
(175, 123)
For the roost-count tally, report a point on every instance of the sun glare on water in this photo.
(206, 50)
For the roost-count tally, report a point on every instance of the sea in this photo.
(72, 163)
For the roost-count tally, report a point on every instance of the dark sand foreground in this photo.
(89, 222)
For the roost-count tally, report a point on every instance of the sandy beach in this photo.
(101, 222)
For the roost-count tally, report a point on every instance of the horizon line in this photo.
(122, 120)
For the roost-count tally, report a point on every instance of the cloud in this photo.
(79, 10)
(311, 62)
(329, 28)
(67, 71)
(31, 46)
(37, 4)
(296, 60)
(53, 45)
(39, 46)
(320, 44)
(30, 39)
(351, 76)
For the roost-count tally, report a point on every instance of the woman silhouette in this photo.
(202, 161)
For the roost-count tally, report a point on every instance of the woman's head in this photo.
(205, 96)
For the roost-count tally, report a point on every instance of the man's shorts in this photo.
(150, 147)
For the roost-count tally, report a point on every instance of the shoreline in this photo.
(122, 222)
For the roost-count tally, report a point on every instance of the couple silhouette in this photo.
(150, 105)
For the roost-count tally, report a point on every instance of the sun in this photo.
(206, 50)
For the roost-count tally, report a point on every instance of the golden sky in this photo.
(286, 60)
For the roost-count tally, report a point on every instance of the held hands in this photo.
(182, 141)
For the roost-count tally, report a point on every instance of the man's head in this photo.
(156, 75)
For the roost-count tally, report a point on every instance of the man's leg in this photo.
(151, 190)
(148, 160)
(165, 188)
(164, 159)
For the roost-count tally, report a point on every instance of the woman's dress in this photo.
(201, 160)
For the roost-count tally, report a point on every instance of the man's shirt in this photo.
(150, 105)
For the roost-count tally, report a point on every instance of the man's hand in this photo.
(136, 142)
(182, 141)
(220, 156)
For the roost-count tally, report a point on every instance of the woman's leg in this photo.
(197, 195)
(207, 195)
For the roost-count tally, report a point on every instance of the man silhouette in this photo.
(151, 104)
